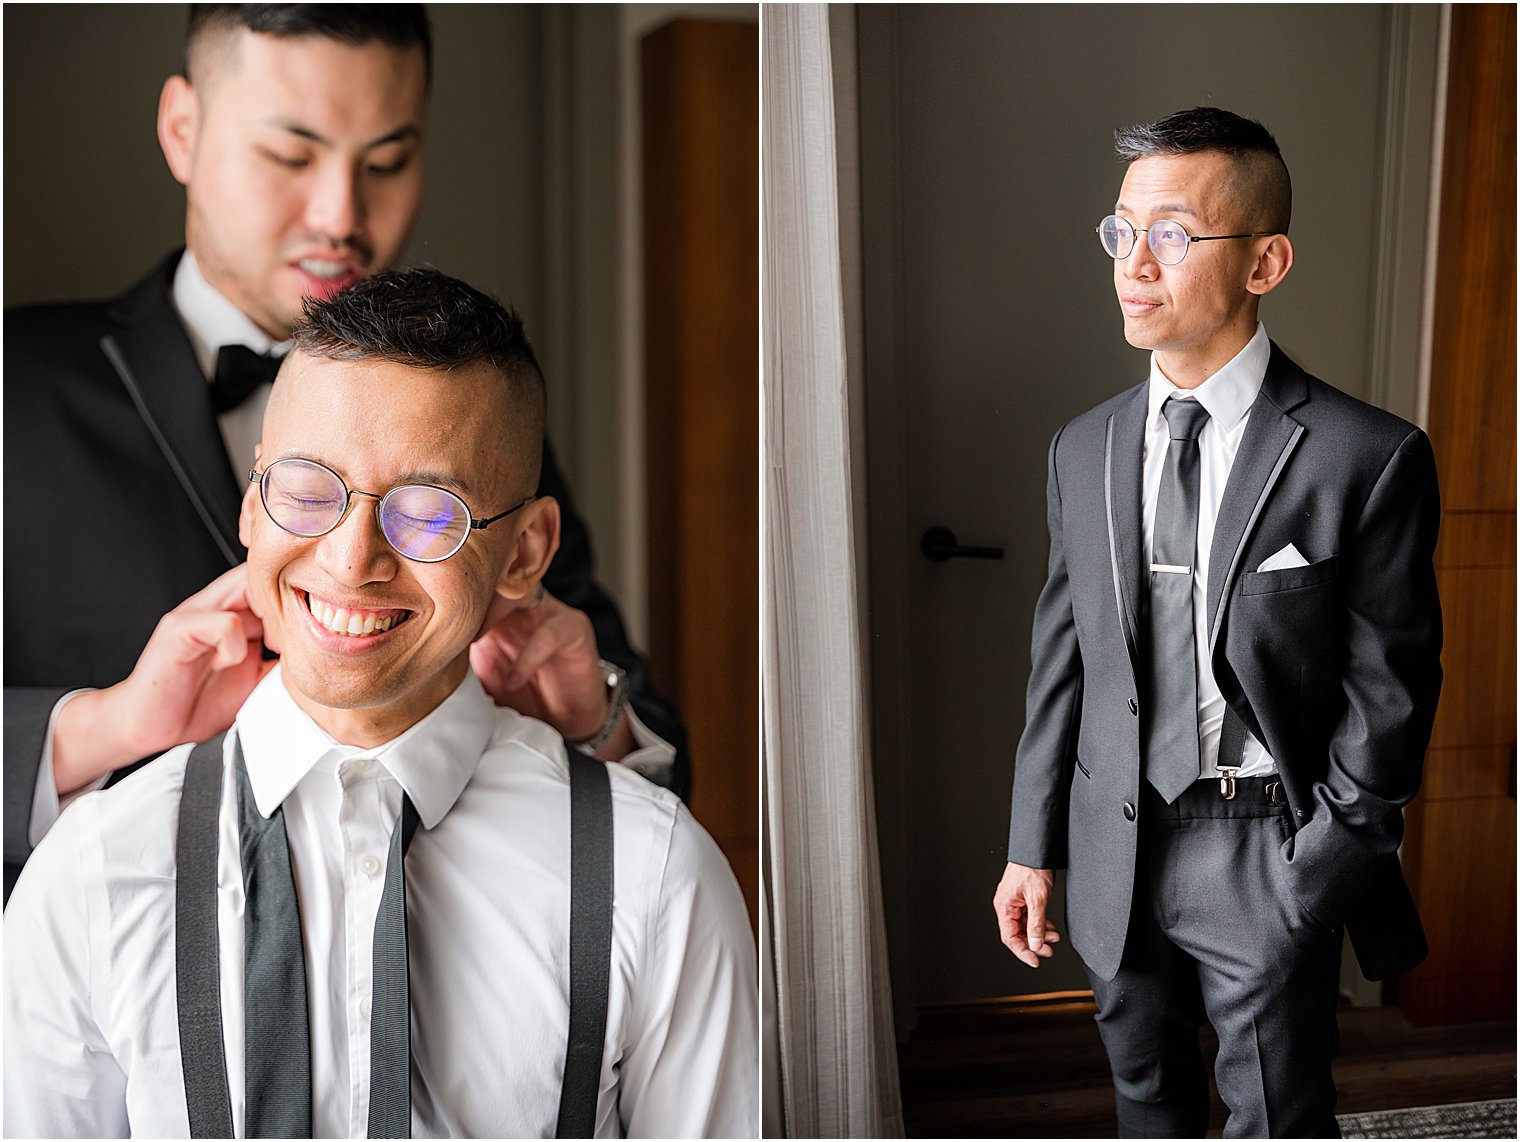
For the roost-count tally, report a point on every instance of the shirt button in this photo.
(364, 1008)
(361, 765)
(1129, 811)
(369, 865)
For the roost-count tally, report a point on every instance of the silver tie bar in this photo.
(1171, 569)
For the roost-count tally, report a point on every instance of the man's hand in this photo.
(200, 665)
(1020, 901)
(539, 657)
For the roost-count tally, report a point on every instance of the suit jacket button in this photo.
(1134, 707)
(1129, 811)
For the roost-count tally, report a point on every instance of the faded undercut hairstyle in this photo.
(426, 320)
(396, 25)
(1260, 182)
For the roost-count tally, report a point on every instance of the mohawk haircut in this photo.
(426, 320)
(1260, 176)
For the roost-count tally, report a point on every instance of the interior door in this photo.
(989, 316)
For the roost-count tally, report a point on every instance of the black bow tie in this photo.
(239, 371)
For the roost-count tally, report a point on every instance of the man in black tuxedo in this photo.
(298, 133)
(1236, 660)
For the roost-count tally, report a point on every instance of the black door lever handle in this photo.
(939, 544)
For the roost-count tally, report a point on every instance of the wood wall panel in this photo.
(1468, 906)
(1477, 704)
(700, 110)
(1472, 403)
(1476, 539)
(1477, 897)
(1459, 852)
(1452, 774)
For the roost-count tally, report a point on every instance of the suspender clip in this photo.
(1227, 783)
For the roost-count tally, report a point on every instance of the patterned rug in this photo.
(1493, 1119)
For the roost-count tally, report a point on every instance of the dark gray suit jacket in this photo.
(120, 503)
(1334, 667)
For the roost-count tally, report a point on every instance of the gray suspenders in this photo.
(198, 982)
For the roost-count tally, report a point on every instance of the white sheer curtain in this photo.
(832, 1065)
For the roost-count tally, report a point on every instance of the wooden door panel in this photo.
(1460, 852)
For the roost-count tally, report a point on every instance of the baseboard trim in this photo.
(1040, 1001)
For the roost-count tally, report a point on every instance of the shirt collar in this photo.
(433, 760)
(211, 319)
(1229, 393)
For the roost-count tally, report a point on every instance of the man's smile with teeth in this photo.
(354, 622)
(322, 268)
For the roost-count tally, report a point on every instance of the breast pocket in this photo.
(1289, 578)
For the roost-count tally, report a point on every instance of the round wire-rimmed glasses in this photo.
(1169, 241)
(421, 522)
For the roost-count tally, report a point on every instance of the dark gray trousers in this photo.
(1216, 933)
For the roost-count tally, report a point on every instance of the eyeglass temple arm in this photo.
(482, 524)
(1219, 237)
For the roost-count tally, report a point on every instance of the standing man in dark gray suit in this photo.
(1236, 660)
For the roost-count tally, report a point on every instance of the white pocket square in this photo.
(1287, 557)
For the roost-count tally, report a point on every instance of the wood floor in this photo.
(1039, 1071)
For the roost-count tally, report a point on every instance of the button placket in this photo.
(364, 839)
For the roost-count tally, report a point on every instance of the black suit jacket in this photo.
(1334, 667)
(120, 502)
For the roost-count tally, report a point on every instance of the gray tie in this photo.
(390, 1029)
(277, 1061)
(276, 1051)
(1171, 739)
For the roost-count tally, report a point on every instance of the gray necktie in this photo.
(277, 1060)
(276, 1052)
(1171, 739)
(390, 1028)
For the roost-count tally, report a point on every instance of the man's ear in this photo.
(250, 503)
(1272, 265)
(537, 541)
(179, 120)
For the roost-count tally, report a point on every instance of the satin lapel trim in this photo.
(1122, 459)
(156, 364)
(1270, 440)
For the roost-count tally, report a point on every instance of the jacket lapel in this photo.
(1271, 437)
(153, 357)
(1123, 458)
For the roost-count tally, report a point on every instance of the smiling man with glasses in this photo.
(300, 134)
(1236, 661)
(381, 905)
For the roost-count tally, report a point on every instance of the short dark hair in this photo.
(397, 25)
(1266, 186)
(427, 320)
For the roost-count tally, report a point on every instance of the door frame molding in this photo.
(891, 602)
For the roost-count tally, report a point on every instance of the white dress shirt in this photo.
(91, 1035)
(1228, 396)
